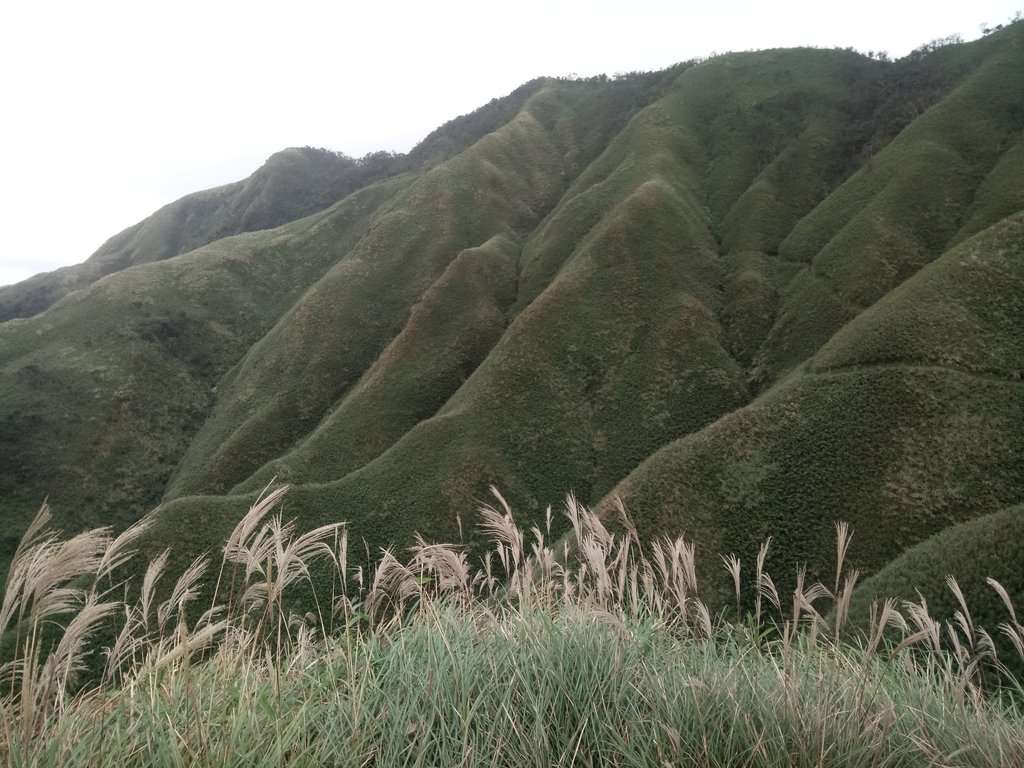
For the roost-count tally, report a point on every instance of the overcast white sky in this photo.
(109, 110)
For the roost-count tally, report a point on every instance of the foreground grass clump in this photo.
(594, 652)
(453, 687)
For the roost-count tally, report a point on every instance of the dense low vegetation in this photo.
(749, 295)
(593, 650)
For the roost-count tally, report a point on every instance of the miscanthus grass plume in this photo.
(592, 649)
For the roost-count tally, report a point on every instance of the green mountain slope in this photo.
(752, 295)
(907, 421)
(100, 395)
(291, 184)
(990, 546)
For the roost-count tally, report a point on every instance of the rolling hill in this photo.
(750, 295)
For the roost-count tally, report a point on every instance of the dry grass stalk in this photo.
(118, 552)
(1004, 596)
(69, 656)
(732, 566)
(842, 608)
(843, 537)
(596, 567)
(929, 628)
(501, 527)
(963, 620)
(393, 585)
(1015, 634)
(762, 556)
(889, 617)
(185, 590)
(804, 599)
(43, 585)
(152, 575)
(446, 567)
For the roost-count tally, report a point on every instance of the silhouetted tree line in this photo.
(987, 30)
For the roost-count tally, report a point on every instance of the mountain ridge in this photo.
(750, 295)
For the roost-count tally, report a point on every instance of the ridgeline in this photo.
(750, 295)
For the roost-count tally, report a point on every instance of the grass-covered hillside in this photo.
(290, 185)
(750, 295)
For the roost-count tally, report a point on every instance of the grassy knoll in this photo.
(962, 311)
(987, 547)
(943, 451)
